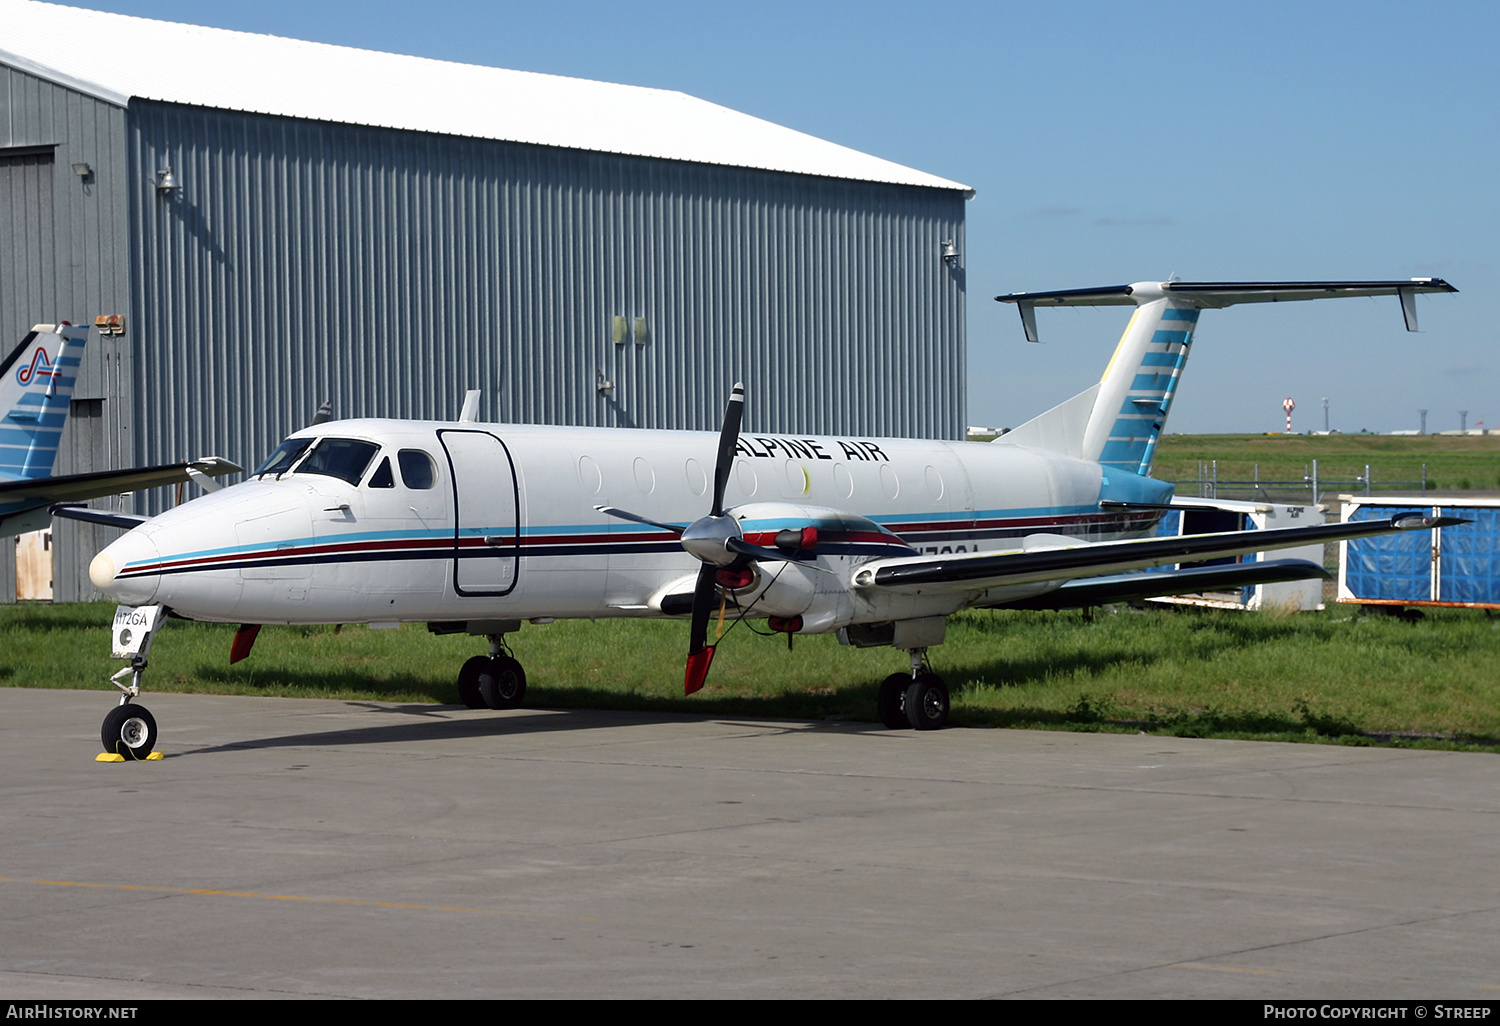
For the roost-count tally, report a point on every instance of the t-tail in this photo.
(1119, 421)
(36, 387)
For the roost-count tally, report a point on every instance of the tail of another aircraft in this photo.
(1119, 421)
(36, 386)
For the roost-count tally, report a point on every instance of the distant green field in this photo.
(1335, 676)
(1453, 462)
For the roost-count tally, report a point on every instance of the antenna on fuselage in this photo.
(470, 413)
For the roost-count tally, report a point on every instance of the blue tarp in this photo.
(1398, 567)
(1470, 570)
(1394, 567)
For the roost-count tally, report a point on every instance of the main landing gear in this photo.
(917, 699)
(495, 681)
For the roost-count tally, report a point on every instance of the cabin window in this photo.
(343, 458)
(280, 461)
(382, 478)
(417, 469)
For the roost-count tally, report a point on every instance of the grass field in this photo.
(1454, 462)
(1332, 676)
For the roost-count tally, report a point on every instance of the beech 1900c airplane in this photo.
(36, 390)
(475, 527)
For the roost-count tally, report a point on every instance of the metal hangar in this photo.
(282, 222)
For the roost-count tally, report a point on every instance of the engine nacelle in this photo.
(826, 545)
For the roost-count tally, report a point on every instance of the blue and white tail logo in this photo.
(36, 387)
(1135, 394)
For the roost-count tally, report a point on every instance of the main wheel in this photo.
(927, 702)
(502, 684)
(129, 730)
(468, 682)
(891, 702)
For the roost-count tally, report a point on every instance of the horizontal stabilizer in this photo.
(1216, 294)
(1094, 591)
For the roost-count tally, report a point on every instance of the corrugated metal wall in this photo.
(63, 256)
(389, 271)
(392, 270)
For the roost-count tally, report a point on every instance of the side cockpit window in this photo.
(417, 469)
(343, 458)
(287, 453)
(382, 478)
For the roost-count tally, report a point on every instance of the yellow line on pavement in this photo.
(286, 897)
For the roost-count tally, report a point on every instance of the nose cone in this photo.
(126, 571)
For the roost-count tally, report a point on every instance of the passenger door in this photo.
(486, 499)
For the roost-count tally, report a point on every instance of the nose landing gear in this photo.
(129, 731)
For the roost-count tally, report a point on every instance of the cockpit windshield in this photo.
(280, 461)
(343, 458)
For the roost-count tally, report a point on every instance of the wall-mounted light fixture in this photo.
(82, 170)
(641, 334)
(166, 181)
(603, 384)
(950, 252)
(110, 324)
(618, 330)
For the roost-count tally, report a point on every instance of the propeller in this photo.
(716, 540)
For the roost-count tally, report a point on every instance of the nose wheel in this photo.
(129, 731)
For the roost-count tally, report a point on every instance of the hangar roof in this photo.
(116, 58)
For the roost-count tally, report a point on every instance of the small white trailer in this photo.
(1203, 516)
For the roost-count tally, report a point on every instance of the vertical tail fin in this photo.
(1136, 391)
(36, 387)
(1122, 425)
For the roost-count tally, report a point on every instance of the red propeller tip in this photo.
(244, 640)
(697, 669)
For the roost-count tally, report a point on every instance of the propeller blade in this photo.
(715, 527)
(623, 514)
(700, 654)
(729, 437)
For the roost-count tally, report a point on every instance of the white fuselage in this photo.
(505, 525)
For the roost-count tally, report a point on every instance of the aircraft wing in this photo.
(76, 487)
(1052, 558)
(1095, 591)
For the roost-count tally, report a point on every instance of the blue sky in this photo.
(1107, 143)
